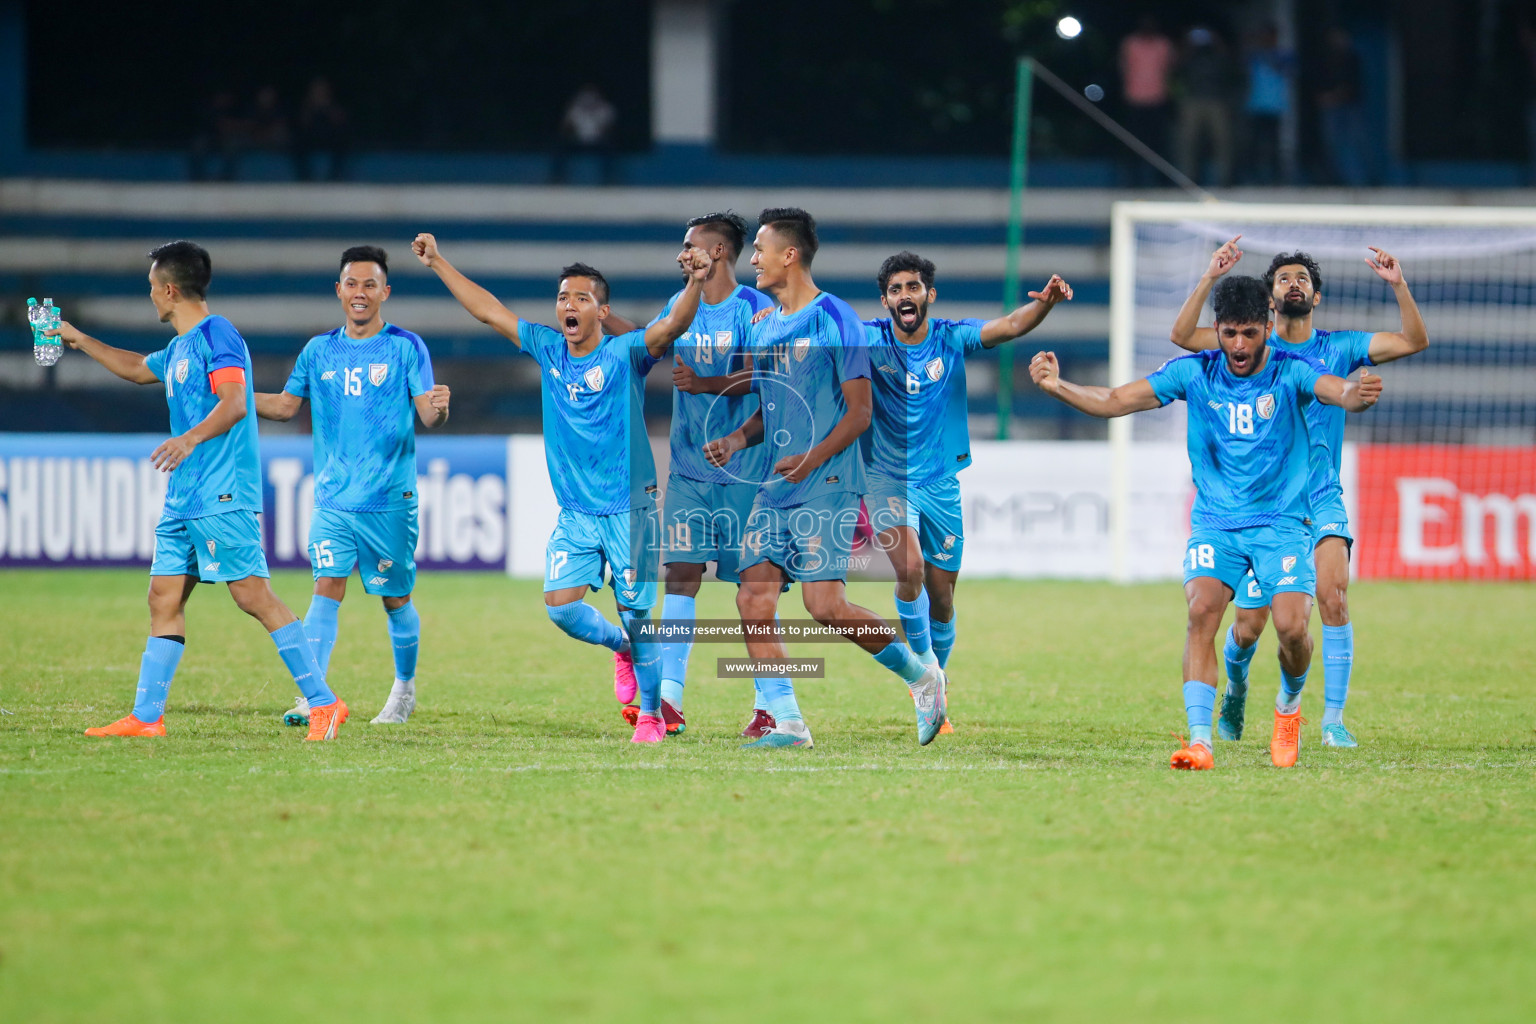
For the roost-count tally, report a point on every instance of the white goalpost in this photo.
(1440, 477)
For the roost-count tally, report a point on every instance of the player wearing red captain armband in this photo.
(208, 532)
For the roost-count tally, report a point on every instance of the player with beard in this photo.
(1249, 444)
(921, 439)
(1296, 290)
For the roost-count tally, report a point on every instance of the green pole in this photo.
(1024, 78)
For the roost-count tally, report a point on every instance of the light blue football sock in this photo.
(1288, 699)
(1199, 703)
(405, 637)
(299, 655)
(779, 694)
(914, 622)
(320, 626)
(943, 638)
(1237, 658)
(759, 701)
(585, 623)
(898, 657)
(157, 668)
(1338, 661)
(647, 657)
(674, 652)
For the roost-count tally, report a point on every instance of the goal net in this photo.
(1440, 477)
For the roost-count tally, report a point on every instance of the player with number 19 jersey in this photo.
(360, 392)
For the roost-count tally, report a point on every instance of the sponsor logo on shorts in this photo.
(1329, 526)
(385, 563)
(1286, 581)
(935, 368)
(630, 595)
(943, 556)
(378, 581)
(1287, 563)
(226, 497)
(832, 479)
(377, 372)
(212, 567)
(181, 371)
(1265, 406)
(802, 349)
(594, 378)
(328, 375)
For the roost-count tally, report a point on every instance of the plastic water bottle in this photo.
(44, 317)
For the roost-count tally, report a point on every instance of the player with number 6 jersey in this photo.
(365, 382)
(1248, 444)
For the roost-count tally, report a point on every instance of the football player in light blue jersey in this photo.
(1249, 445)
(209, 531)
(599, 458)
(811, 376)
(364, 382)
(1296, 285)
(707, 506)
(920, 439)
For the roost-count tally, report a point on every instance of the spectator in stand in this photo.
(321, 127)
(268, 123)
(587, 128)
(1209, 79)
(1146, 64)
(1337, 86)
(217, 139)
(1270, 70)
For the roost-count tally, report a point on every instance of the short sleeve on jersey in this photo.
(639, 356)
(664, 310)
(537, 338)
(1359, 348)
(156, 362)
(298, 380)
(967, 334)
(225, 346)
(1171, 380)
(418, 366)
(851, 356)
(1304, 372)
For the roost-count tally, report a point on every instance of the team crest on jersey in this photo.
(594, 378)
(385, 563)
(1265, 406)
(377, 372)
(181, 371)
(1287, 563)
(723, 341)
(802, 349)
(935, 368)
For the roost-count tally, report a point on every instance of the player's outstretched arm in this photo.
(1187, 332)
(128, 365)
(432, 406)
(720, 450)
(1414, 337)
(1106, 403)
(1028, 316)
(857, 396)
(281, 406)
(229, 411)
(482, 305)
(1350, 395)
(661, 334)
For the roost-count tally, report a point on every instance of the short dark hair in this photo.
(582, 270)
(186, 265)
(1286, 259)
(365, 254)
(1241, 300)
(795, 224)
(730, 224)
(904, 262)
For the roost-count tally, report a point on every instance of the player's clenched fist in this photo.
(425, 248)
(684, 379)
(1045, 371)
(695, 263)
(438, 397)
(1369, 387)
(720, 450)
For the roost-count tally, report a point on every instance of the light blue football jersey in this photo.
(1247, 438)
(713, 346)
(360, 392)
(800, 364)
(594, 420)
(223, 474)
(1342, 352)
(921, 431)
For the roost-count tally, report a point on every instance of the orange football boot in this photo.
(1286, 743)
(630, 713)
(1194, 757)
(946, 727)
(130, 726)
(323, 722)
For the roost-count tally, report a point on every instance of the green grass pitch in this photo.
(508, 855)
